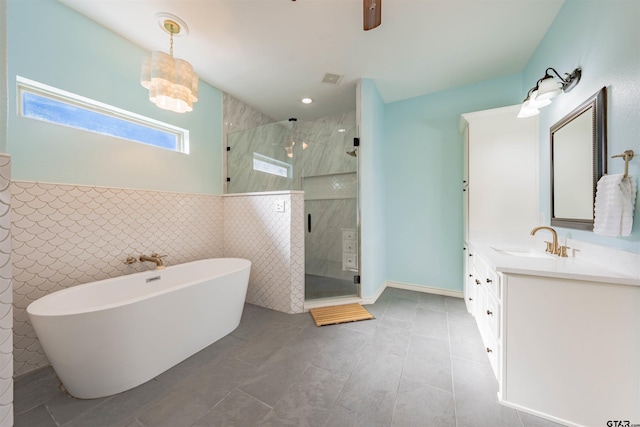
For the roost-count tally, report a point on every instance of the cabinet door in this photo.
(465, 185)
(502, 171)
(571, 348)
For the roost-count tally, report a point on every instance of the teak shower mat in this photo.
(339, 314)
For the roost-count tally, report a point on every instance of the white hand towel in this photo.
(628, 189)
(615, 200)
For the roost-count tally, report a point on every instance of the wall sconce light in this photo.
(546, 88)
(171, 82)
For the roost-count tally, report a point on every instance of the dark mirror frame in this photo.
(599, 146)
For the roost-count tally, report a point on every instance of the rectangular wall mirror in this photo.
(578, 160)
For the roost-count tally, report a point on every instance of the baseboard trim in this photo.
(543, 415)
(424, 289)
(372, 299)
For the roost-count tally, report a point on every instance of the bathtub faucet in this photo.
(153, 258)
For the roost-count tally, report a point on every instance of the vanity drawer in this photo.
(492, 279)
(489, 278)
(470, 292)
(492, 348)
(491, 312)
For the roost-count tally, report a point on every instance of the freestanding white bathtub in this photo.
(109, 336)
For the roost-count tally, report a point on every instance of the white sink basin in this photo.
(526, 253)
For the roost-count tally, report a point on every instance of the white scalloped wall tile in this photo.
(6, 311)
(274, 242)
(297, 253)
(66, 235)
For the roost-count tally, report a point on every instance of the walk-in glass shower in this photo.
(319, 158)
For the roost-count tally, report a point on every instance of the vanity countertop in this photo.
(542, 264)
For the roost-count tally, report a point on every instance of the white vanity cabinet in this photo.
(500, 195)
(571, 349)
(482, 296)
(562, 335)
(563, 346)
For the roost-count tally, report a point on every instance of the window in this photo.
(46, 103)
(271, 166)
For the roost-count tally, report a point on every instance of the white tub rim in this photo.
(35, 309)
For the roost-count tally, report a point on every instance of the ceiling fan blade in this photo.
(372, 13)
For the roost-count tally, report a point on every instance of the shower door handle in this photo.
(309, 223)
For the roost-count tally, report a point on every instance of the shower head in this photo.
(353, 153)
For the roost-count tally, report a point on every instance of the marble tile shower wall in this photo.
(238, 116)
(268, 141)
(65, 235)
(327, 145)
(6, 297)
(274, 241)
(319, 149)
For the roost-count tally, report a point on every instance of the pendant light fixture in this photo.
(171, 82)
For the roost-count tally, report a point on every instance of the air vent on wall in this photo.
(333, 79)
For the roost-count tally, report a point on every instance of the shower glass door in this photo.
(319, 158)
(330, 184)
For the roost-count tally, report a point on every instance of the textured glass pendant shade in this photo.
(171, 82)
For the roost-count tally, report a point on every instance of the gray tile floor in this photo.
(420, 362)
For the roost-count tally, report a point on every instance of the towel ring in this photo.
(627, 155)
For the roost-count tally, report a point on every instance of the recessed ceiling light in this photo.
(307, 100)
(342, 130)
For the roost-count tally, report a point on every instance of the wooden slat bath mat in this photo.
(339, 314)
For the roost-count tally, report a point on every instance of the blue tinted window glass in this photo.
(54, 111)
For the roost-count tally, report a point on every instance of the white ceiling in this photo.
(271, 53)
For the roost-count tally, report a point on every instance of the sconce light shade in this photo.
(532, 104)
(536, 102)
(527, 110)
(171, 82)
(548, 88)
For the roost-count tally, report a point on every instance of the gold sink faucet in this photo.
(552, 247)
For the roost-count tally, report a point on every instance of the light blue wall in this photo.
(54, 45)
(423, 147)
(423, 186)
(372, 171)
(603, 38)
